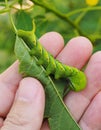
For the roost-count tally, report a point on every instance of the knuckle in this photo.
(16, 119)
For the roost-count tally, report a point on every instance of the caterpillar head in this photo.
(28, 36)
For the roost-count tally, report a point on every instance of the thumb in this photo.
(28, 107)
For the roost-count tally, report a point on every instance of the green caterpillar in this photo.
(52, 66)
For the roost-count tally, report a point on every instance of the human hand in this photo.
(22, 100)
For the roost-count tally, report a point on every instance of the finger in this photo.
(93, 72)
(76, 53)
(89, 122)
(1, 122)
(9, 80)
(11, 77)
(28, 107)
(8, 84)
(45, 126)
(53, 42)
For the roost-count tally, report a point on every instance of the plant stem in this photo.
(83, 10)
(6, 3)
(12, 22)
(80, 17)
(11, 19)
(59, 14)
(14, 2)
(4, 10)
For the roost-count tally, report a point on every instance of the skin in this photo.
(25, 98)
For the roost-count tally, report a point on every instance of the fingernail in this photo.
(28, 90)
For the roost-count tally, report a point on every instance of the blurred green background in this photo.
(88, 19)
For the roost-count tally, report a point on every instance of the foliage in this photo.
(63, 16)
(67, 17)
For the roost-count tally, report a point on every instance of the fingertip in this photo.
(53, 42)
(83, 42)
(33, 86)
(96, 57)
(78, 50)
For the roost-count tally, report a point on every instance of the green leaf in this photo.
(23, 20)
(57, 113)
